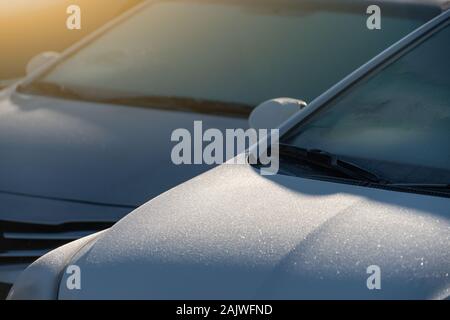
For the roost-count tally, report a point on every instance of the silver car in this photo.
(85, 137)
(363, 189)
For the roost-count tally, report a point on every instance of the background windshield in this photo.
(398, 121)
(244, 53)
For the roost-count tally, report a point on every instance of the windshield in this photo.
(396, 122)
(242, 53)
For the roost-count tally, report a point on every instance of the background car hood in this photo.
(93, 152)
(233, 234)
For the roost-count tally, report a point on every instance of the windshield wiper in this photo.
(50, 89)
(155, 102)
(429, 187)
(184, 104)
(330, 162)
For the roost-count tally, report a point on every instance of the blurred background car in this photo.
(30, 27)
(86, 140)
(364, 185)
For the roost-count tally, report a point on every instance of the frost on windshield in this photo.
(400, 115)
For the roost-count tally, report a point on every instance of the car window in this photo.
(396, 121)
(236, 52)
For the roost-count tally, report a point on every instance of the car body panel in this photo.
(66, 164)
(49, 270)
(22, 209)
(89, 151)
(47, 223)
(233, 234)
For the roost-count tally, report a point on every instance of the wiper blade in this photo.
(331, 162)
(185, 104)
(431, 187)
(51, 89)
(422, 185)
(155, 102)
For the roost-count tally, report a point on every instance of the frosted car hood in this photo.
(233, 234)
(93, 152)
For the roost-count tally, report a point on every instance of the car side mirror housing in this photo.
(272, 113)
(41, 60)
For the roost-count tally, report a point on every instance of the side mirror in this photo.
(272, 113)
(41, 60)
